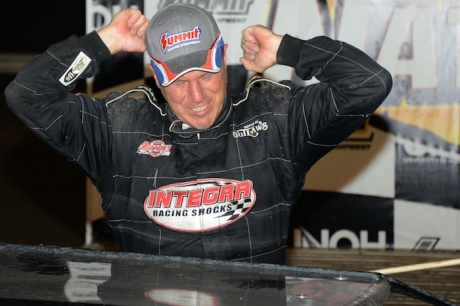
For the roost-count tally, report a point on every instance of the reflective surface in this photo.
(38, 275)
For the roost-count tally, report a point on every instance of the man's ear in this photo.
(224, 52)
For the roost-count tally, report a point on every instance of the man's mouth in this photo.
(200, 108)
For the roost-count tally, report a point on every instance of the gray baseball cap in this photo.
(180, 38)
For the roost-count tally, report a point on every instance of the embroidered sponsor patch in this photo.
(201, 205)
(154, 148)
(76, 69)
(251, 130)
(170, 42)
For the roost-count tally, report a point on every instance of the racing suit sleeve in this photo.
(75, 125)
(351, 88)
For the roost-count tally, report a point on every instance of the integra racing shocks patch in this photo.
(201, 205)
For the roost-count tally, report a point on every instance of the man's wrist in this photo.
(288, 51)
(94, 42)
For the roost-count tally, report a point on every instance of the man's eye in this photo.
(207, 76)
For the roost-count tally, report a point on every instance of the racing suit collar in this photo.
(179, 127)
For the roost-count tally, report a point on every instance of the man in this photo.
(204, 175)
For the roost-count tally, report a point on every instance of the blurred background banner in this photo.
(394, 183)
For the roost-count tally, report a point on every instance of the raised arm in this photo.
(75, 125)
(352, 86)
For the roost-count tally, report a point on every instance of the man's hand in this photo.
(125, 32)
(260, 46)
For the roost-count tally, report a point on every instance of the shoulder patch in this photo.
(76, 69)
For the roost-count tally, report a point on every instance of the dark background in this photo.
(42, 196)
(30, 26)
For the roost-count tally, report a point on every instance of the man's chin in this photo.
(202, 123)
(201, 126)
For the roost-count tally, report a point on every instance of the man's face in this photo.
(197, 97)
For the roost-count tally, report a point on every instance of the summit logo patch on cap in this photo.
(189, 29)
(169, 42)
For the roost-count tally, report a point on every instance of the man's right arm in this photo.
(74, 125)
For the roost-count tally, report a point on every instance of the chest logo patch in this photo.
(154, 148)
(201, 205)
(251, 130)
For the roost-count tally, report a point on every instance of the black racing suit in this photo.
(221, 193)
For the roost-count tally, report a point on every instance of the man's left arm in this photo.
(352, 74)
(352, 86)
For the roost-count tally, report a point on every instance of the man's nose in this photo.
(196, 92)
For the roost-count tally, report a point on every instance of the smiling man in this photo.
(188, 59)
(206, 174)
